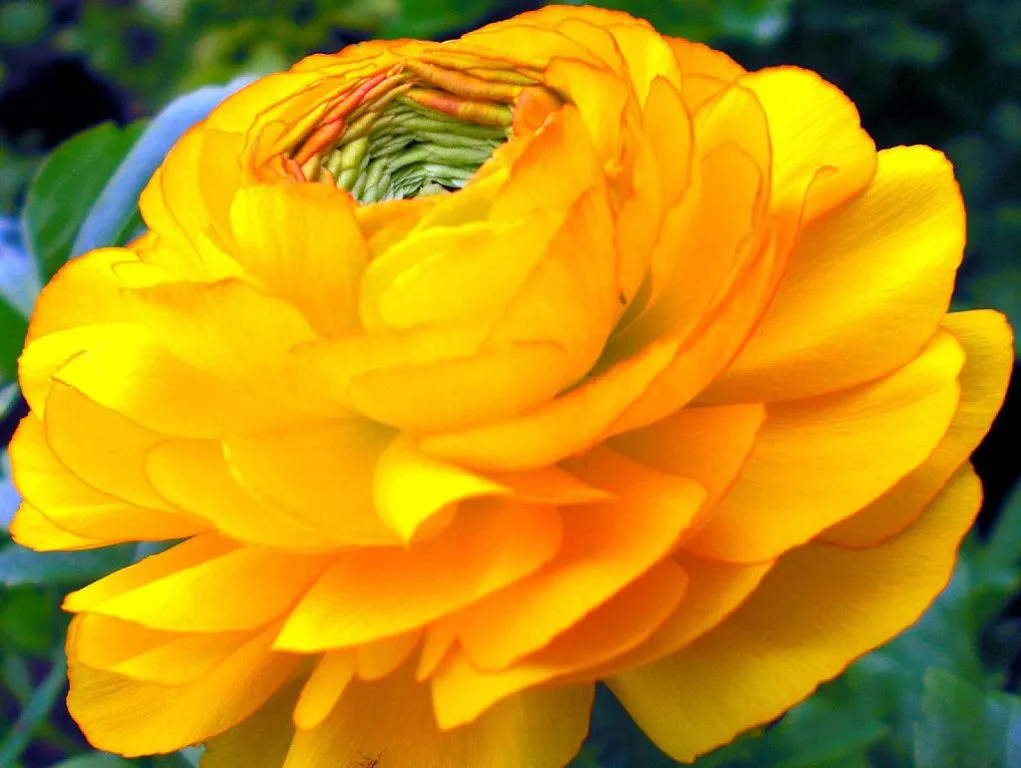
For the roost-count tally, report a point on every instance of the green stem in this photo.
(35, 712)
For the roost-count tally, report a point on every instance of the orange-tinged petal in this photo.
(260, 741)
(699, 59)
(819, 461)
(707, 445)
(76, 508)
(986, 339)
(322, 478)
(379, 658)
(454, 394)
(165, 718)
(878, 272)
(392, 720)
(194, 475)
(599, 95)
(821, 607)
(461, 692)
(105, 643)
(569, 424)
(714, 591)
(323, 689)
(303, 243)
(160, 591)
(605, 547)
(812, 125)
(373, 593)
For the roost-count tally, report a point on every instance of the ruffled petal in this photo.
(989, 357)
(820, 608)
(819, 461)
(392, 720)
(877, 273)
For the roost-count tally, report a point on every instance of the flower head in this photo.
(474, 373)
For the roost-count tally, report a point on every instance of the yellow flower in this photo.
(474, 373)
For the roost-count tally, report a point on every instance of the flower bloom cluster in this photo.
(463, 376)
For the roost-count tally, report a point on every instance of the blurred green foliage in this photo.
(943, 72)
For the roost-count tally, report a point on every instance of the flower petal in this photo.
(986, 339)
(133, 717)
(372, 593)
(303, 243)
(461, 692)
(821, 607)
(817, 462)
(812, 125)
(878, 272)
(159, 592)
(322, 478)
(76, 508)
(392, 719)
(605, 547)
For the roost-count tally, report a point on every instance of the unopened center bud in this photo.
(421, 128)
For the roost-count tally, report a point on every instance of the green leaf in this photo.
(13, 327)
(65, 189)
(20, 566)
(963, 726)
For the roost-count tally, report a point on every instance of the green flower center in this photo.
(409, 150)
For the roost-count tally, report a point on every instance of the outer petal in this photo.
(373, 593)
(812, 125)
(131, 717)
(76, 508)
(986, 339)
(819, 461)
(162, 591)
(392, 718)
(605, 548)
(820, 608)
(461, 692)
(875, 274)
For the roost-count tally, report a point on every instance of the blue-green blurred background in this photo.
(940, 72)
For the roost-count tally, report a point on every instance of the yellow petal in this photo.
(878, 272)
(379, 658)
(818, 461)
(322, 478)
(324, 688)
(109, 644)
(114, 464)
(132, 717)
(194, 587)
(568, 425)
(372, 593)
(410, 487)
(303, 243)
(30, 528)
(605, 547)
(194, 476)
(461, 692)
(76, 508)
(260, 741)
(812, 125)
(986, 339)
(707, 445)
(820, 608)
(392, 720)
